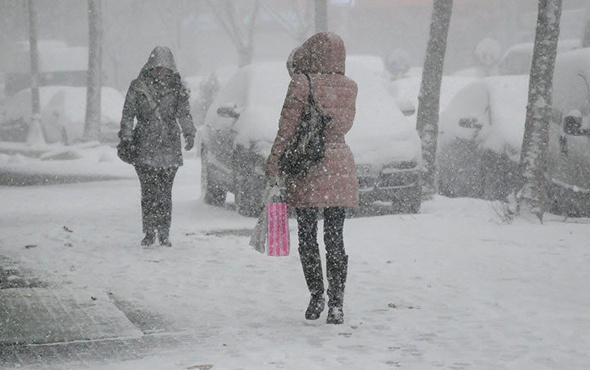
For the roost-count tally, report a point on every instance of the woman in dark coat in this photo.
(330, 184)
(159, 102)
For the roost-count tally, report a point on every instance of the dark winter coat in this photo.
(332, 182)
(157, 136)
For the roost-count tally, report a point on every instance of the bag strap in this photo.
(155, 106)
(311, 98)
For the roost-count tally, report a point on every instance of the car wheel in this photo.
(248, 197)
(213, 192)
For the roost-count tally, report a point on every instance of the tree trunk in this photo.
(35, 133)
(245, 55)
(429, 98)
(304, 21)
(93, 109)
(586, 35)
(321, 15)
(536, 134)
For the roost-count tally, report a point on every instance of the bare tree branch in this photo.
(234, 36)
(253, 21)
(299, 29)
(243, 39)
(290, 29)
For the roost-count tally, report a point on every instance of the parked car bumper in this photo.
(399, 182)
(568, 199)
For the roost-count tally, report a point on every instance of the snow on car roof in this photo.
(69, 101)
(508, 101)
(380, 134)
(518, 58)
(578, 59)
(54, 56)
(506, 98)
(408, 88)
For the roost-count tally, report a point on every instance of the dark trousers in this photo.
(307, 220)
(156, 198)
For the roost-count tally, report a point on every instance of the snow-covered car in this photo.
(568, 156)
(480, 135)
(241, 125)
(63, 114)
(483, 128)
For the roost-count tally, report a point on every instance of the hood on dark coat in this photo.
(322, 53)
(161, 56)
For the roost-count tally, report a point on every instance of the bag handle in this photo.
(311, 98)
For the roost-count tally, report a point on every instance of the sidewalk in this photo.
(43, 326)
(60, 315)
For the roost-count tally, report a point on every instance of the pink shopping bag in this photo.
(278, 229)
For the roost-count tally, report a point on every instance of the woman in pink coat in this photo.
(331, 184)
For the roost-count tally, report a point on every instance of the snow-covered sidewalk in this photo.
(452, 288)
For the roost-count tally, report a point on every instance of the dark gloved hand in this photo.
(189, 142)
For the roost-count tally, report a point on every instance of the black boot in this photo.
(149, 238)
(164, 239)
(337, 267)
(312, 269)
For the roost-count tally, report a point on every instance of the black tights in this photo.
(307, 219)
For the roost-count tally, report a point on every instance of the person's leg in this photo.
(147, 180)
(333, 230)
(336, 262)
(311, 262)
(166, 181)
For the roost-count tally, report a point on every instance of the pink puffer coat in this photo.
(332, 182)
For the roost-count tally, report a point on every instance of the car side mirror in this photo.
(572, 123)
(406, 106)
(229, 110)
(470, 123)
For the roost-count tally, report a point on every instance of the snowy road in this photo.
(451, 288)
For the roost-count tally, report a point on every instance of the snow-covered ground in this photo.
(454, 287)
